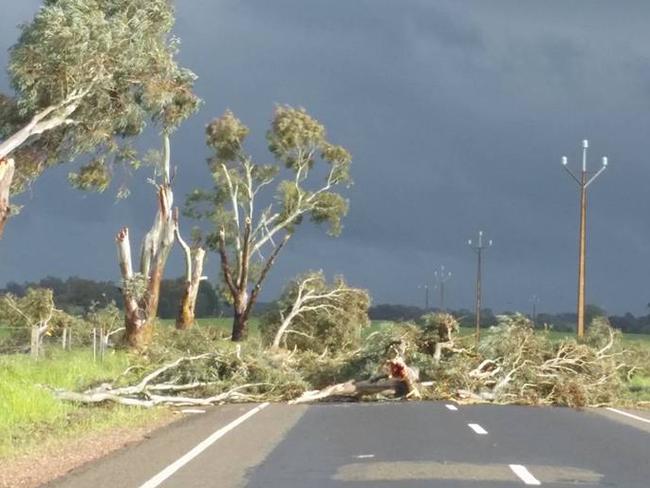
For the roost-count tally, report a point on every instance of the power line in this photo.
(478, 247)
(583, 180)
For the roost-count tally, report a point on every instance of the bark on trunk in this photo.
(240, 321)
(141, 299)
(193, 277)
(7, 168)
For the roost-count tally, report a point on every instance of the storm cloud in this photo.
(457, 115)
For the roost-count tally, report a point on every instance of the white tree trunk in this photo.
(141, 311)
(7, 169)
(194, 276)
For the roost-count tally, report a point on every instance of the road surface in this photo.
(396, 445)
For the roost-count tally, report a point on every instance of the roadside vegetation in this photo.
(32, 417)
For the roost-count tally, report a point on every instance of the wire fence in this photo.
(35, 341)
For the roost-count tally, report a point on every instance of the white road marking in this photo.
(452, 407)
(477, 428)
(524, 474)
(365, 456)
(192, 410)
(199, 448)
(632, 416)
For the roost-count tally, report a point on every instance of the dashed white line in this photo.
(453, 408)
(365, 456)
(632, 416)
(199, 448)
(477, 428)
(524, 474)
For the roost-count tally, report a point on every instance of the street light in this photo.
(441, 276)
(584, 180)
(478, 247)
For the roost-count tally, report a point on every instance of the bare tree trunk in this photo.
(193, 277)
(240, 320)
(7, 168)
(141, 298)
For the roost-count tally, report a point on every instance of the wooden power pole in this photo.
(479, 246)
(584, 180)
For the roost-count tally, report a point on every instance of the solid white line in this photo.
(477, 428)
(452, 407)
(202, 446)
(524, 474)
(635, 417)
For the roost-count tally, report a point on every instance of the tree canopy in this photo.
(243, 229)
(88, 76)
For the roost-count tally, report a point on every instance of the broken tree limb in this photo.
(401, 381)
(148, 394)
(151, 400)
(352, 389)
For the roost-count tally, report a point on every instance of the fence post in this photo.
(95, 345)
(102, 344)
(34, 342)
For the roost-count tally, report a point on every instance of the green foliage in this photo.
(119, 55)
(298, 142)
(335, 327)
(228, 365)
(436, 328)
(35, 308)
(136, 286)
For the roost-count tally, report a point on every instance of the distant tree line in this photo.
(560, 321)
(78, 295)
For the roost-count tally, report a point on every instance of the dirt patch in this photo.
(41, 466)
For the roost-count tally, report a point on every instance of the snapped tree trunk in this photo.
(7, 168)
(194, 271)
(141, 291)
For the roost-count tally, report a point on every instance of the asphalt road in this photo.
(396, 445)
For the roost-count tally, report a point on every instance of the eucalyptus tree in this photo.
(87, 77)
(251, 222)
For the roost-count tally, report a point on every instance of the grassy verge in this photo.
(30, 417)
(222, 323)
(640, 388)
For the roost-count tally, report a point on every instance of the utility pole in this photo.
(583, 180)
(426, 296)
(534, 299)
(442, 277)
(479, 246)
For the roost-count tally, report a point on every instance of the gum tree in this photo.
(87, 76)
(252, 223)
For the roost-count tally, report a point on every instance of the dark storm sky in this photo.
(457, 115)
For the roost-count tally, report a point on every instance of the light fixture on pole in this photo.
(478, 247)
(441, 276)
(584, 180)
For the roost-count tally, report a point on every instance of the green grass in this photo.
(31, 417)
(223, 323)
(639, 387)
